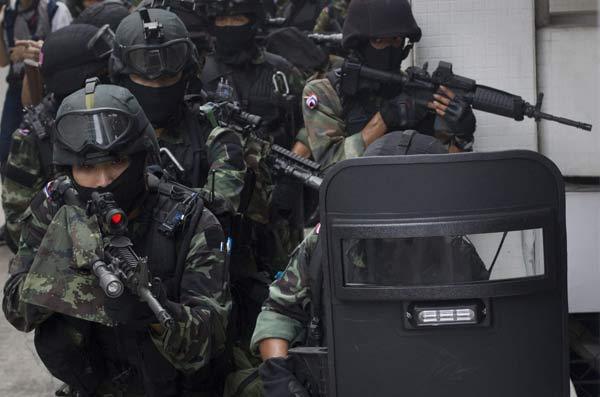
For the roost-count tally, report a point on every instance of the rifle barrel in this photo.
(562, 120)
(159, 311)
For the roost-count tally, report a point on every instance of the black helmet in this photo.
(73, 54)
(369, 19)
(403, 143)
(153, 43)
(217, 8)
(193, 15)
(99, 123)
(110, 12)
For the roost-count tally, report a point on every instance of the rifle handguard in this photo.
(498, 102)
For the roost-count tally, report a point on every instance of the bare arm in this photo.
(273, 347)
(374, 129)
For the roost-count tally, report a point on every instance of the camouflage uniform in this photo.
(331, 18)
(325, 125)
(50, 275)
(286, 311)
(253, 89)
(28, 166)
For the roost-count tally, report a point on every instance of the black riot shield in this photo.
(445, 276)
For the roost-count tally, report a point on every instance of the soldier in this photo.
(331, 19)
(288, 317)
(155, 59)
(380, 34)
(70, 56)
(196, 22)
(115, 346)
(266, 85)
(262, 83)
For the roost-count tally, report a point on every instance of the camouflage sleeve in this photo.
(21, 315)
(23, 177)
(322, 23)
(325, 127)
(227, 167)
(205, 302)
(302, 137)
(284, 312)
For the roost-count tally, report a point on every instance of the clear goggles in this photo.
(102, 43)
(101, 128)
(152, 61)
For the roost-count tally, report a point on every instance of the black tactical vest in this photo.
(192, 153)
(254, 90)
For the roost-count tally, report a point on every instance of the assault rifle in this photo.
(418, 83)
(125, 268)
(282, 161)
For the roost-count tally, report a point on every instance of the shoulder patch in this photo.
(312, 102)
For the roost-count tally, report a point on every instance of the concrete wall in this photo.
(570, 6)
(569, 75)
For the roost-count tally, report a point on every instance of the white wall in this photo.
(569, 76)
(3, 86)
(569, 6)
(583, 219)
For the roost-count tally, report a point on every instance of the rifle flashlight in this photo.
(109, 282)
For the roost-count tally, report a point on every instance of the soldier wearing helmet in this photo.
(155, 59)
(100, 345)
(263, 83)
(69, 56)
(380, 35)
(267, 85)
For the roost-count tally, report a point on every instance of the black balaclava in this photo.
(235, 44)
(387, 59)
(128, 189)
(161, 104)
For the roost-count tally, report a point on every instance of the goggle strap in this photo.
(90, 90)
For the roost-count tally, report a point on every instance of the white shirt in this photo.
(62, 17)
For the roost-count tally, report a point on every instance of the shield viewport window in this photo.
(417, 261)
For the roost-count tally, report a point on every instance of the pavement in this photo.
(22, 374)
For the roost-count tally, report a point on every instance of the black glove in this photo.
(402, 112)
(129, 310)
(279, 380)
(460, 119)
(159, 290)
